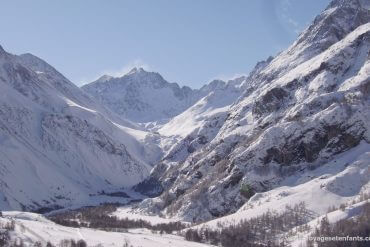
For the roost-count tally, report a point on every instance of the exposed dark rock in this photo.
(270, 102)
(150, 187)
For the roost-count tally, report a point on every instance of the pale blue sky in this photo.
(187, 41)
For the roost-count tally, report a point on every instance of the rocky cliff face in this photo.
(297, 111)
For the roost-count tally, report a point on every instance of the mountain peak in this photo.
(217, 84)
(104, 78)
(2, 51)
(350, 3)
(30, 55)
(141, 75)
(133, 71)
(38, 65)
(136, 70)
(339, 18)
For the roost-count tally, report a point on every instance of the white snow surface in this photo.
(128, 212)
(32, 227)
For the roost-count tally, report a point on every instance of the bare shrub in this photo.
(262, 230)
(100, 218)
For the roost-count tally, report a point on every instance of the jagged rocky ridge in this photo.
(297, 112)
(143, 96)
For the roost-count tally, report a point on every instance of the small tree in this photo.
(325, 226)
(193, 235)
(81, 243)
(4, 238)
(246, 190)
(37, 244)
(127, 243)
(48, 244)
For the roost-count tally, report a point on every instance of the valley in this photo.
(135, 160)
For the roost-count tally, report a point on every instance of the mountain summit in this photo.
(141, 96)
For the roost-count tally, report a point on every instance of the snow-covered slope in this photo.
(298, 111)
(199, 124)
(32, 228)
(57, 146)
(141, 96)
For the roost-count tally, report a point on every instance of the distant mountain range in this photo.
(143, 96)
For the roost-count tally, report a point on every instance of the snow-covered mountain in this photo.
(145, 97)
(296, 129)
(57, 146)
(199, 124)
(298, 111)
(142, 96)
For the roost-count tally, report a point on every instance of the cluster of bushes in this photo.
(353, 227)
(262, 230)
(4, 237)
(8, 226)
(5, 230)
(71, 243)
(100, 218)
(64, 243)
(5, 241)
